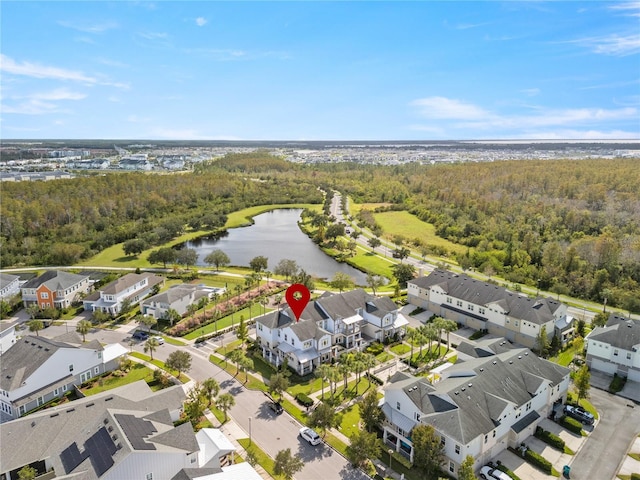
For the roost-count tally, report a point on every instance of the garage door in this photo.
(602, 366)
(634, 375)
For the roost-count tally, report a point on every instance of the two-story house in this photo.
(177, 298)
(615, 348)
(331, 325)
(36, 370)
(483, 306)
(132, 287)
(55, 289)
(9, 286)
(124, 433)
(479, 407)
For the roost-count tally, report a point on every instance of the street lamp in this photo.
(390, 457)
(249, 430)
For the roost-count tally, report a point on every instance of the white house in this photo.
(124, 433)
(7, 337)
(615, 348)
(479, 407)
(329, 326)
(9, 286)
(178, 298)
(55, 289)
(485, 306)
(132, 287)
(36, 370)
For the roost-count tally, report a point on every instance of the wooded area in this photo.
(572, 227)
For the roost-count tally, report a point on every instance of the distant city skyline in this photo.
(259, 71)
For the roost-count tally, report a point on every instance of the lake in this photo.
(275, 235)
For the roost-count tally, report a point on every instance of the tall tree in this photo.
(224, 403)
(195, 404)
(242, 332)
(363, 445)
(403, 272)
(322, 372)
(163, 255)
(286, 464)
(582, 382)
(374, 242)
(35, 326)
(323, 418)
(278, 384)
(259, 263)
(374, 282)
(218, 258)
(146, 320)
(151, 345)
(287, 268)
(542, 342)
(172, 315)
(370, 413)
(180, 361)
(428, 451)
(83, 327)
(187, 257)
(466, 470)
(341, 281)
(210, 390)
(401, 253)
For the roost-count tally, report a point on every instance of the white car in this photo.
(310, 436)
(158, 339)
(490, 473)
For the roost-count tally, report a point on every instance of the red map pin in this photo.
(297, 296)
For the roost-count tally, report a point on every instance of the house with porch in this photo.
(329, 326)
(178, 298)
(615, 348)
(132, 287)
(55, 289)
(479, 407)
(36, 370)
(9, 286)
(484, 306)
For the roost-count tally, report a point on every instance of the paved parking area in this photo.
(631, 391)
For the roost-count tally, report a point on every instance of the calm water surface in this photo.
(275, 235)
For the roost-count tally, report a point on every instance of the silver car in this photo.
(310, 436)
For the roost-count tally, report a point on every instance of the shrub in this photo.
(538, 460)
(477, 335)
(374, 379)
(635, 476)
(304, 400)
(571, 424)
(550, 438)
(375, 348)
(617, 383)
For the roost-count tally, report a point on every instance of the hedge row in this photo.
(538, 460)
(374, 379)
(304, 400)
(550, 438)
(571, 424)
(635, 476)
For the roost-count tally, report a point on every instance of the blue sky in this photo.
(320, 70)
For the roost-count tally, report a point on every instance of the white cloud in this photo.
(531, 92)
(615, 45)
(581, 135)
(35, 70)
(629, 9)
(201, 21)
(58, 94)
(87, 28)
(153, 35)
(40, 103)
(441, 107)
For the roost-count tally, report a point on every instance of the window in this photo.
(470, 308)
(458, 449)
(449, 300)
(99, 354)
(56, 392)
(260, 326)
(71, 367)
(21, 409)
(44, 295)
(64, 388)
(285, 337)
(481, 310)
(452, 467)
(40, 401)
(96, 370)
(615, 352)
(397, 405)
(486, 438)
(401, 432)
(194, 457)
(148, 476)
(417, 416)
(628, 356)
(459, 303)
(494, 434)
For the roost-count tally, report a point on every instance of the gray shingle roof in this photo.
(55, 280)
(129, 280)
(6, 279)
(619, 332)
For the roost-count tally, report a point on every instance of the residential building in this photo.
(124, 433)
(178, 298)
(7, 336)
(479, 407)
(615, 348)
(9, 286)
(329, 326)
(55, 289)
(36, 370)
(132, 287)
(484, 306)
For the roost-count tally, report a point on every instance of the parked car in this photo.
(579, 413)
(140, 335)
(276, 407)
(310, 436)
(490, 473)
(158, 339)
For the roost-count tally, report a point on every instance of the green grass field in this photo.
(264, 460)
(137, 372)
(409, 226)
(224, 322)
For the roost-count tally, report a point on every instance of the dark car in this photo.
(140, 335)
(276, 407)
(580, 414)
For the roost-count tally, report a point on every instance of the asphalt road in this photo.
(602, 454)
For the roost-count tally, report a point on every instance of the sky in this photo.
(329, 70)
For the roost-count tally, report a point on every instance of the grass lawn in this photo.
(339, 445)
(350, 422)
(264, 460)
(364, 259)
(224, 322)
(564, 358)
(401, 349)
(293, 410)
(252, 383)
(173, 341)
(229, 347)
(409, 226)
(137, 372)
(183, 378)
(384, 357)
(308, 386)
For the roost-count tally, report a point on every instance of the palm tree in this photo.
(151, 345)
(224, 403)
(345, 367)
(210, 389)
(83, 327)
(322, 372)
(35, 326)
(369, 361)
